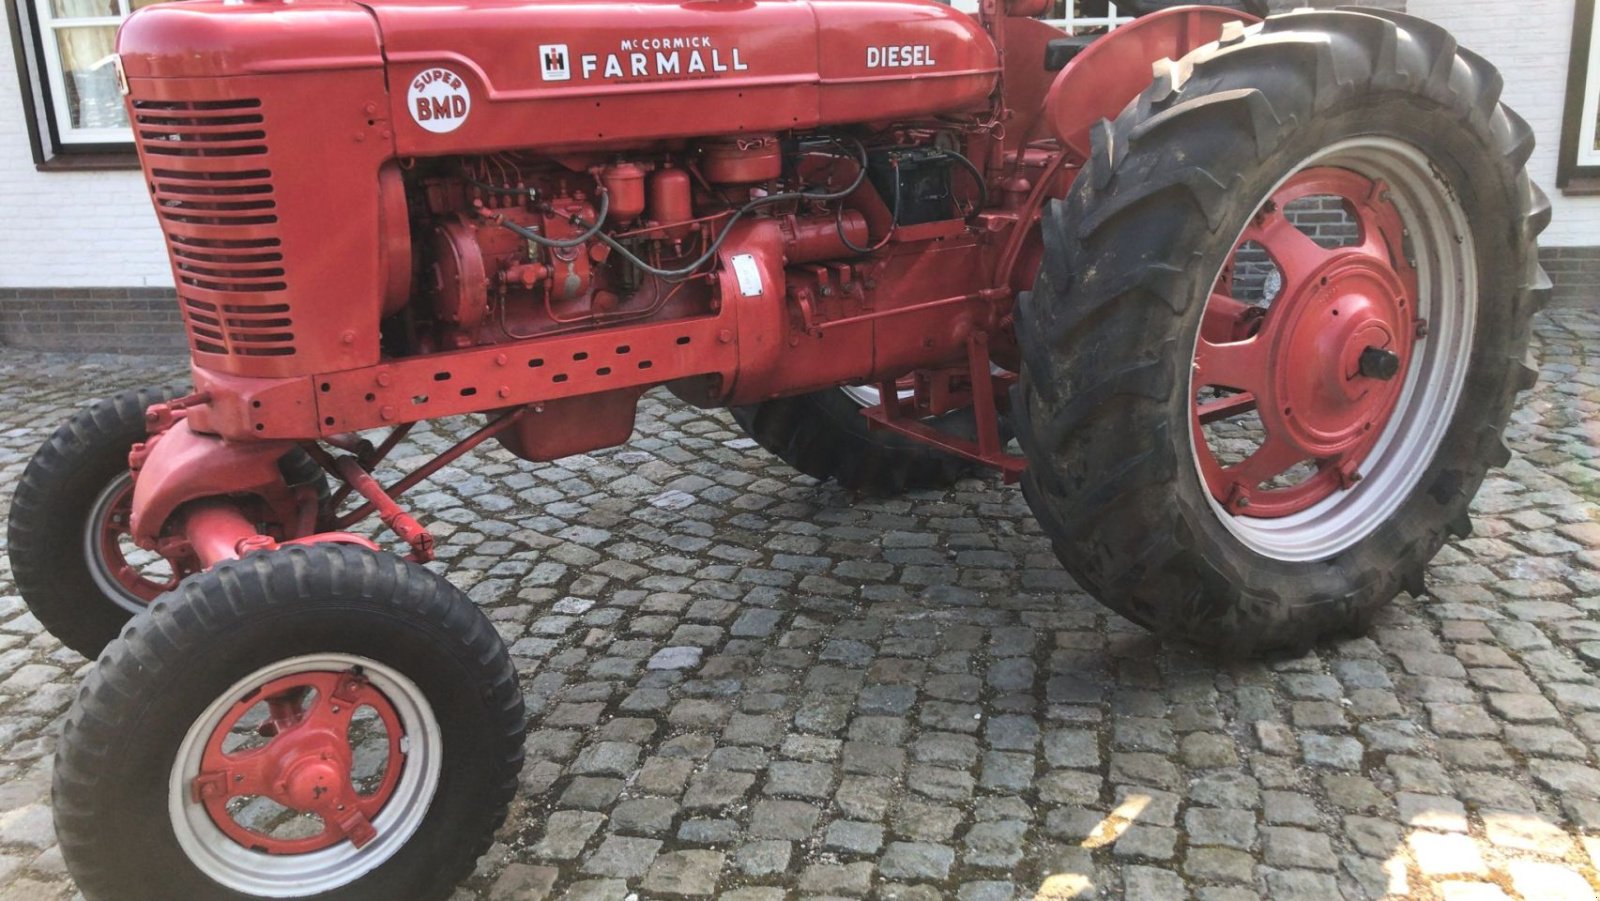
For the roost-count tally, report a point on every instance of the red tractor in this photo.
(1252, 295)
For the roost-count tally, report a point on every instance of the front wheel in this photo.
(321, 721)
(1279, 328)
(71, 546)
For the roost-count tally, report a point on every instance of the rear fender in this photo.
(1108, 74)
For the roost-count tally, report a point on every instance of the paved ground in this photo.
(743, 683)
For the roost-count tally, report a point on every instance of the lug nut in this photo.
(1377, 363)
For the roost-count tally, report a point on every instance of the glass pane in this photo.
(83, 9)
(90, 78)
(141, 4)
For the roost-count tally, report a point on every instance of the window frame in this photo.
(44, 103)
(1578, 168)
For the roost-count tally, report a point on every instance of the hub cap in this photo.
(1351, 371)
(305, 775)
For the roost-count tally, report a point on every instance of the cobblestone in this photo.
(745, 684)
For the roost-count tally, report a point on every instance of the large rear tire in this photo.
(1132, 343)
(248, 728)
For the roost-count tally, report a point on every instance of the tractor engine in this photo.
(387, 212)
(515, 246)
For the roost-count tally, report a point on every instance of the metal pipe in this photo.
(391, 513)
(432, 466)
(217, 531)
(987, 294)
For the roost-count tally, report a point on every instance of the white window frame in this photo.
(1578, 160)
(55, 75)
(1587, 154)
(1070, 21)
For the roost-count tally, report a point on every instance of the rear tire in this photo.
(824, 435)
(131, 781)
(1107, 396)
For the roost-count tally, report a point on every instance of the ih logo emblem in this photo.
(438, 100)
(555, 63)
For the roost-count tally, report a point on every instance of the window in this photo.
(1071, 15)
(1077, 16)
(1580, 131)
(66, 54)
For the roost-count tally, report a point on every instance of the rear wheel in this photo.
(824, 435)
(1279, 328)
(321, 721)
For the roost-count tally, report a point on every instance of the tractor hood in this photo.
(557, 74)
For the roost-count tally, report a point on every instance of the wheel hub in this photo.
(1329, 405)
(306, 764)
(309, 776)
(1322, 364)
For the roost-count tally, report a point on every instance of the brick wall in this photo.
(1575, 272)
(95, 320)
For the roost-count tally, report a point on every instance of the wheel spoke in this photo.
(1273, 458)
(354, 826)
(1240, 365)
(1223, 317)
(1226, 407)
(1296, 255)
(236, 775)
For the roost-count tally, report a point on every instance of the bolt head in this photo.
(1379, 363)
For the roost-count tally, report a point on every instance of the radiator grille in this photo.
(206, 168)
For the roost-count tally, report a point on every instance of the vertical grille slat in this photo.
(206, 170)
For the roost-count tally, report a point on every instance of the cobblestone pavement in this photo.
(746, 684)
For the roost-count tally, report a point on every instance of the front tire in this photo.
(68, 511)
(320, 721)
(75, 564)
(1132, 341)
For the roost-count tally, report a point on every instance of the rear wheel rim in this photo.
(307, 773)
(1359, 441)
(871, 396)
(105, 531)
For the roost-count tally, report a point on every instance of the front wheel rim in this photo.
(109, 522)
(1373, 425)
(304, 776)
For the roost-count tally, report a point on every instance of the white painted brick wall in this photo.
(1530, 43)
(96, 229)
(69, 229)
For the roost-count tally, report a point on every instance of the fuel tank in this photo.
(570, 74)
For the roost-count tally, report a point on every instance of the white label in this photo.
(900, 56)
(643, 58)
(748, 272)
(555, 62)
(438, 100)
